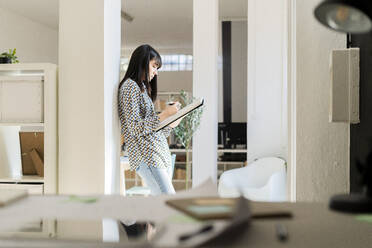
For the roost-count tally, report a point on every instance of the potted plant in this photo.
(9, 57)
(186, 129)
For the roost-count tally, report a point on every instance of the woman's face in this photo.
(153, 69)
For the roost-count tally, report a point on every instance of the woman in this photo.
(148, 150)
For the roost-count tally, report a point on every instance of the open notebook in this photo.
(181, 113)
(207, 208)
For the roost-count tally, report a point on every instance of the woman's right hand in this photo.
(171, 109)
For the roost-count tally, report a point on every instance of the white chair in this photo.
(262, 180)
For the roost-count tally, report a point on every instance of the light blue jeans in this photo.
(158, 180)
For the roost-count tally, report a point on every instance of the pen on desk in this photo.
(281, 232)
(204, 229)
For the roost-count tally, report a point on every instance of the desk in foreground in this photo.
(312, 224)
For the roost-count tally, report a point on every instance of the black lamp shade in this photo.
(348, 16)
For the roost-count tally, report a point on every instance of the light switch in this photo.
(344, 99)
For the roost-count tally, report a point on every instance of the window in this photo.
(124, 64)
(171, 62)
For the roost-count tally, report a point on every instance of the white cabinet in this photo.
(21, 99)
(33, 189)
(28, 100)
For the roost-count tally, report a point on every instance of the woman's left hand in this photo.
(176, 123)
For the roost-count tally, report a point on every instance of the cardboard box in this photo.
(130, 174)
(181, 158)
(32, 141)
(38, 162)
(180, 174)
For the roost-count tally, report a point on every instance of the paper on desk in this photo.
(222, 232)
(82, 199)
(364, 217)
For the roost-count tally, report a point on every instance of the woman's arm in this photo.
(136, 124)
(168, 111)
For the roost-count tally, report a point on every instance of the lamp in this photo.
(357, 203)
(349, 16)
(352, 17)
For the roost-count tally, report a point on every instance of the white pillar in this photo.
(267, 127)
(205, 84)
(89, 51)
(112, 51)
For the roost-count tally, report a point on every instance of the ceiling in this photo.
(42, 11)
(165, 24)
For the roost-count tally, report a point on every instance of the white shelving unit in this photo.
(28, 98)
(226, 165)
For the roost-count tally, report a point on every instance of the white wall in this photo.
(175, 81)
(267, 107)
(322, 148)
(126, 51)
(34, 42)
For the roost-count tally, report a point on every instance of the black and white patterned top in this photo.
(138, 121)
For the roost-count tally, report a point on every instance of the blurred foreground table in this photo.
(312, 224)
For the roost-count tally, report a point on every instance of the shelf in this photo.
(179, 150)
(232, 150)
(30, 105)
(166, 93)
(218, 162)
(179, 180)
(173, 180)
(37, 68)
(231, 162)
(131, 179)
(21, 77)
(35, 124)
(22, 179)
(218, 150)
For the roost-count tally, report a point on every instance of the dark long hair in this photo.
(138, 69)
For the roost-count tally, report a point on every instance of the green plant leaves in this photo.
(11, 54)
(190, 123)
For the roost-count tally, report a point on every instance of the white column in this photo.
(267, 80)
(205, 84)
(112, 49)
(89, 51)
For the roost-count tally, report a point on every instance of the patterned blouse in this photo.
(138, 121)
